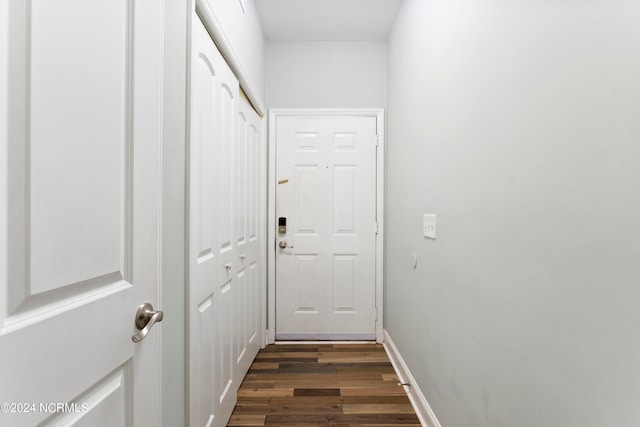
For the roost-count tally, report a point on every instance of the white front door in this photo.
(326, 259)
(80, 144)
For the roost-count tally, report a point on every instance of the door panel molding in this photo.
(344, 143)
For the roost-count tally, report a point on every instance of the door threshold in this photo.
(323, 342)
(295, 336)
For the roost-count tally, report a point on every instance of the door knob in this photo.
(146, 317)
(283, 245)
(228, 266)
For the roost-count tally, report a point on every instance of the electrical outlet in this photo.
(429, 226)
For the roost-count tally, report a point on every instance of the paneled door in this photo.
(326, 199)
(247, 195)
(224, 280)
(80, 185)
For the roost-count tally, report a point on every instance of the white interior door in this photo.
(224, 291)
(325, 261)
(247, 192)
(80, 140)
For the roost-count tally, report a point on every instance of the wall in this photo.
(517, 124)
(326, 74)
(172, 298)
(244, 33)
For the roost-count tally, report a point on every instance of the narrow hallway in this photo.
(322, 384)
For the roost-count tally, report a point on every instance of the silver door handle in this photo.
(146, 317)
(283, 245)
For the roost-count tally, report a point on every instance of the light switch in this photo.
(429, 226)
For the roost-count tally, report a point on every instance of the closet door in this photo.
(254, 262)
(212, 229)
(228, 91)
(247, 297)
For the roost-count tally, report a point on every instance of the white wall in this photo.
(244, 33)
(172, 298)
(517, 123)
(326, 74)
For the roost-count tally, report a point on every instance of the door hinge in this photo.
(377, 140)
(376, 227)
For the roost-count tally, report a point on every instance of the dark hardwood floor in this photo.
(324, 384)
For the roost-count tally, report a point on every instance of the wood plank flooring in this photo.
(325, 384)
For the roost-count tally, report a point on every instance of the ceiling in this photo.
(327, 20)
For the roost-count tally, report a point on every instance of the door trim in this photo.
(378, 113)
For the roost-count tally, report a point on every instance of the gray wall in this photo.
(518, 124)
(326, 74)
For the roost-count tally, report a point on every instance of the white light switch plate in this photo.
(429, 226)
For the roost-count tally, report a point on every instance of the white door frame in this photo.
(378, 113)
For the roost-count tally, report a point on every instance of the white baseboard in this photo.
(419, 402)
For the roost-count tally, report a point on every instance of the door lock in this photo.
(282, 225)
(283, 245)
